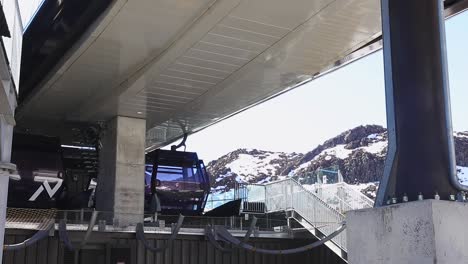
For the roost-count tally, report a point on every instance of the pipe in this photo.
(221, 231)
(39, 235)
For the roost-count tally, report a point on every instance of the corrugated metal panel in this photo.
(185, 250)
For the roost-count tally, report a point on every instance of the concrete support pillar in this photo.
(6, 138)
(428, 231)
(421, 156)
(7, 123)
(121, 185)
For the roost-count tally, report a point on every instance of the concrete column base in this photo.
(427, 231)
(121, 181)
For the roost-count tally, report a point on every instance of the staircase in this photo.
(341, 196)
(313, 210)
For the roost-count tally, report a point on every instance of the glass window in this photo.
(169, 173)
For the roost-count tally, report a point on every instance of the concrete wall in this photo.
(120, 186)
(105, 248)
(417, 232)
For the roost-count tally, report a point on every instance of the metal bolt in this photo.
(405, 198)
(437, 196)
(420, 197)
(452, 197)
(394, 200)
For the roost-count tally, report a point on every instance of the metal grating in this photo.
(24, 218)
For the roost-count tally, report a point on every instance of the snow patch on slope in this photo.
(340, 152)
(461, 134)
(462, 173)
(251, 165)
(375, 148)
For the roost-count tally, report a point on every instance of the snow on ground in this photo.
(338, 151)
(253, 165)
(266, 180)
(362, 186)
(341, 152)
(229, 174)
(461, 134)
(462, 173)
(302, 166)
(375, 148)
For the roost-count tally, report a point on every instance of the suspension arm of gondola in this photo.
(63, 235)
(91, 225)
(210, 234)
(140, 235)
(251, 229)
(181, 144)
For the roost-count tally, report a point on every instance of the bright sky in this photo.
(28, 9)
(303, 118)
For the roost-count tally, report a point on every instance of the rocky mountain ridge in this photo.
(359, 153)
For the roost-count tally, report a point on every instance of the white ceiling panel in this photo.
(178, 65)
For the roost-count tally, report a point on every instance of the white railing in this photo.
(322, 206)
(341, 196)
(355, 198)
(290, 195)
(13, 45)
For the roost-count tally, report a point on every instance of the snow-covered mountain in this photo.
(359, 153)
(249, 166)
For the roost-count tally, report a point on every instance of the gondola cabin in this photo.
(179, 183)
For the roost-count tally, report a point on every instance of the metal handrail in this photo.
(369, 202)
(343, 197)
(343, 204)
(304, 189)
(288, 194)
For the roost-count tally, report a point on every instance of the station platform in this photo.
(111, 243)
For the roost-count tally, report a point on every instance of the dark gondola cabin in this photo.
(180, 183)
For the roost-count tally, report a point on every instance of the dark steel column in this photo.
(421, 157)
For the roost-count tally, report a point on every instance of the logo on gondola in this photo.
(50, 191)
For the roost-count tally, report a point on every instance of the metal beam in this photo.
(421, 157)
